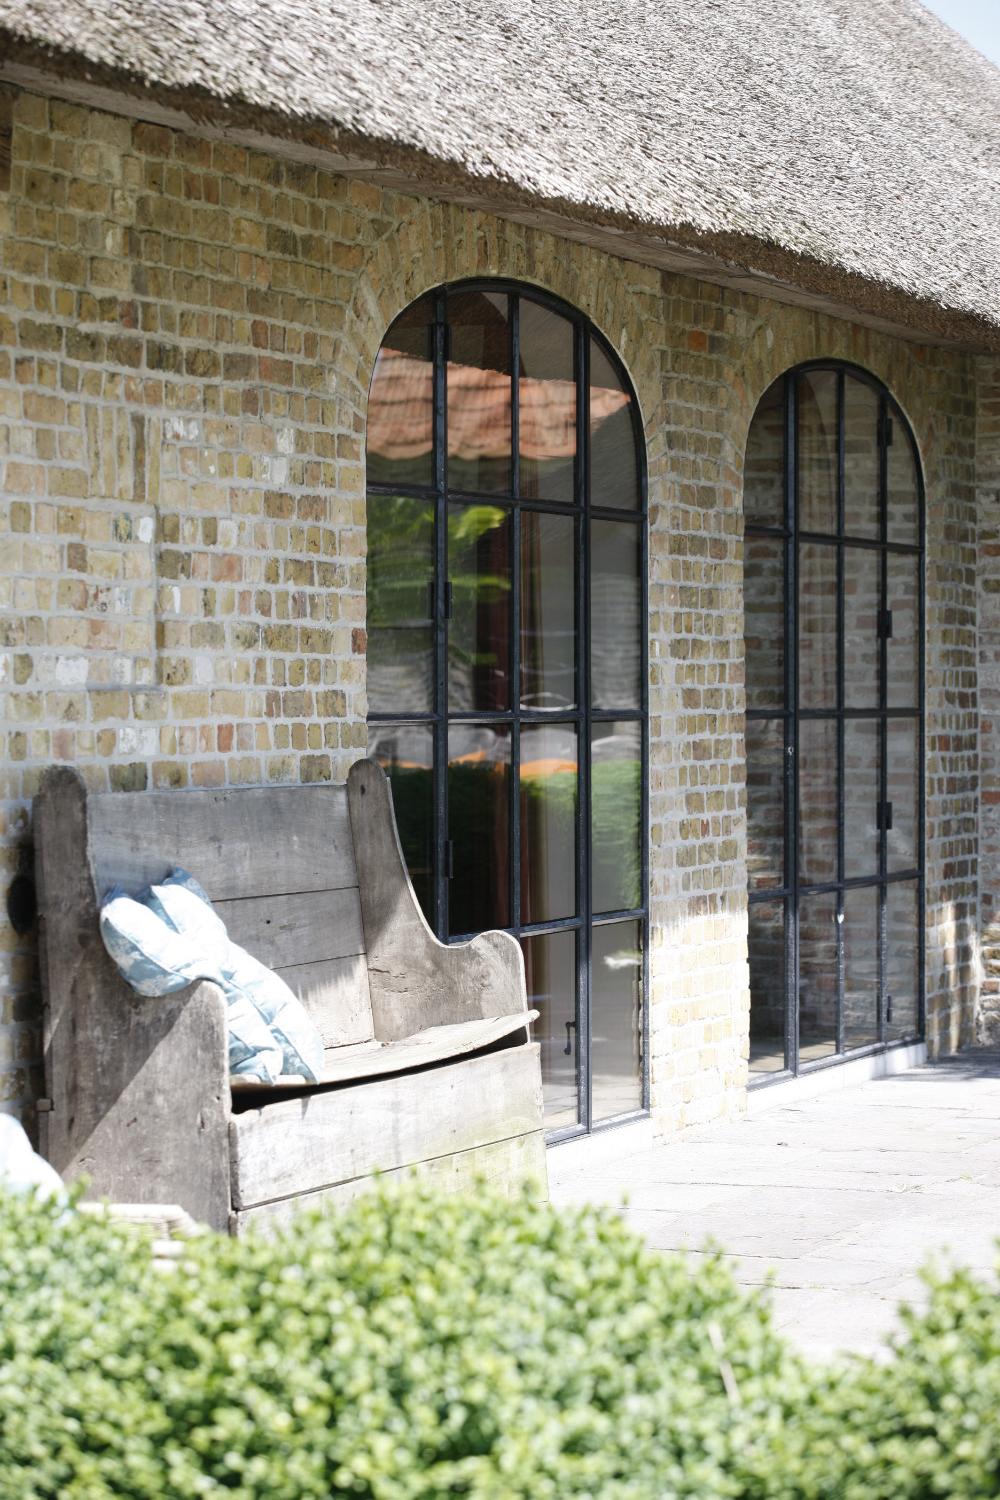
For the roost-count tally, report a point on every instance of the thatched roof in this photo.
(859, 136)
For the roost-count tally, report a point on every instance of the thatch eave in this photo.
(775, 266)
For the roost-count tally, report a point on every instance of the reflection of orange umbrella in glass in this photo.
(400, 410)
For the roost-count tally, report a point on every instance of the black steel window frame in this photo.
(583, 716)
(890, 418)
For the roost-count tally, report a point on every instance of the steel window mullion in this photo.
(581, 476)
(883, 702)
(792, 741)
(514, 623)
(841, 648)
(440, 773)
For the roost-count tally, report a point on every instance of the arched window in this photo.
(507, 659)
(833, 596)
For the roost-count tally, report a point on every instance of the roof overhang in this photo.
(737, 262)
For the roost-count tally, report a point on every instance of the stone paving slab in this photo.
(837, 1201)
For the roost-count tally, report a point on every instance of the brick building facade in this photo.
(188, 329)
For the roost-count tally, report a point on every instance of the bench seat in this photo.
(375, 1059)
(428, 1058)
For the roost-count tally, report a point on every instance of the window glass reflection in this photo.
(902, 742)
(860, 967)
(406, 754)
(862, 603)
(478, 392)
(902, 975)
(401, 402)
(616, 1020)
(818, 945)
(400, 623)
(766, 953)
(614, 469)
(548, 611)
(817, 450)
(479, 571)
(615, 624)
(479, 827)
(616, 803)
(817, 625)
(547, 396)
(765, 741)
(861, 459)
(902, 659)
(764, 621)
(549, 776)
(550, 976)
(861, 797)
(902, 493)
(817, 801)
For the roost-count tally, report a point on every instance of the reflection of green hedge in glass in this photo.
(472, 793)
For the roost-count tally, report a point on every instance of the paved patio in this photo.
(843, 1196)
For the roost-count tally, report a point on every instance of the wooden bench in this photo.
(429, 1062)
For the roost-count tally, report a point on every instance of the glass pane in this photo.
(862, 601)
(861, 505)
(817, 801)
(764, 621)
(478, 379)
(817, 976)
(817, 626)
(817, 450)
(479, 570)
(401, 402)
(766, 952)
(400, 624)
(616, 1020)
(860, 967)
(548, 611)
(614, 469)
(479, 827)
(902, 496)
(901, 790)
(861, 796)
(549, 776)
(406, 754)
(615, 640)
(550, 974)
(765, 803)
(903, 585)
(902, 950)
(616, 787)
(764, 466)
(547, 393)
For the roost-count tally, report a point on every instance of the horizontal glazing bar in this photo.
(869, 544)
(859, 713)
(632, 913)
(774, 893)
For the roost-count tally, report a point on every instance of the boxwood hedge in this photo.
(414, 1346)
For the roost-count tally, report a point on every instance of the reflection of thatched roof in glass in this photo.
(846, 146)
(399, 411)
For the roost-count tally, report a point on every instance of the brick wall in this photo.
(988, 491)
(187, 332)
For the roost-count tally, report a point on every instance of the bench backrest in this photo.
(278, 863)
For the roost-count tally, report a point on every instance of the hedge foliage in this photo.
(416, 1346)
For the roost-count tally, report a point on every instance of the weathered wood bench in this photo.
(429, 1063)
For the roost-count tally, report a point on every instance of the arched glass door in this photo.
(833, 597)
(506, 660)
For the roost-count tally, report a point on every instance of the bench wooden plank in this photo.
(436, 1044)
(505, 1166)
(335, 993)
(284, 930)
(321, 1139)
(242, 842)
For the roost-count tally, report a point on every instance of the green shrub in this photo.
(409, 1346)
(414, 1346)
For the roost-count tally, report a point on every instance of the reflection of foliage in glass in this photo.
(475, 542)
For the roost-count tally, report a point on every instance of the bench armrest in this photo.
(138, 1088)
(415, 980)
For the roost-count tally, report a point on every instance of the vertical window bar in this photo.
(791, 726)
(440, 731)
(514, 623)
(883, 700)
(841, 733)
(584, 817)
